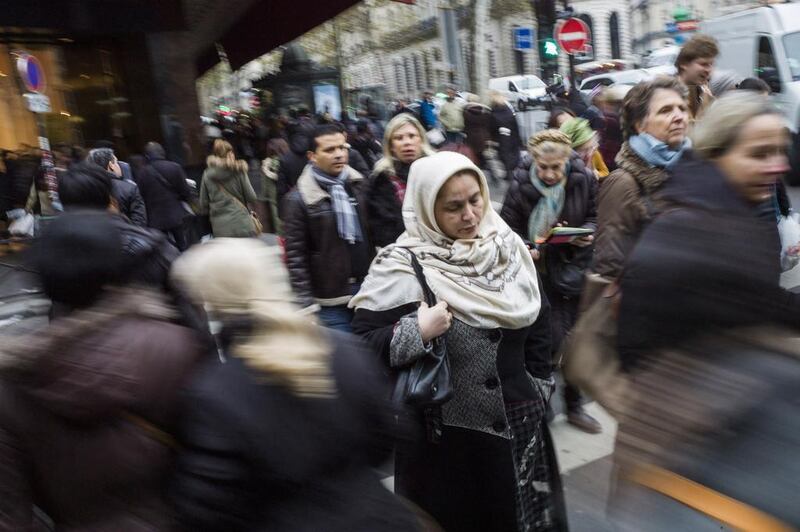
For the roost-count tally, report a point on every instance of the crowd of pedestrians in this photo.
(252, 383)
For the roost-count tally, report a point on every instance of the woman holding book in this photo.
(556, 189)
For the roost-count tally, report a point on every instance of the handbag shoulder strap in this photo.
(430, 298)
(237, 200)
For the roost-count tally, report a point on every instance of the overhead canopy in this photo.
(268, 24)
(102, 17)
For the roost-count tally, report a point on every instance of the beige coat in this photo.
(452, 116)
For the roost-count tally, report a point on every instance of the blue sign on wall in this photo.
(523, 38)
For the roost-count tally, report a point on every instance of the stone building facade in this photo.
(400, 48)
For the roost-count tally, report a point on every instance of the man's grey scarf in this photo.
(347, 221)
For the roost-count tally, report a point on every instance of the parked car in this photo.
(520, 91)
(624, 77)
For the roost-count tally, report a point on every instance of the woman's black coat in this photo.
(505, 132)
(707, 263)
(254, 456)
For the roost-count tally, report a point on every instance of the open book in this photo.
(565, 235)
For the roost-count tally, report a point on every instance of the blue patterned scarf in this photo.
(347, 222)
(545, 215)
(657, 153)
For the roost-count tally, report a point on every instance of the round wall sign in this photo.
(31, 72)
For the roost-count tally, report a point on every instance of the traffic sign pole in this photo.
(32, 75)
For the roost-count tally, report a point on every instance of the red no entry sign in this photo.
(573, 35)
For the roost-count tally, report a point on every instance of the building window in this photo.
(418, 72)
(399, 77)
(409, 75)
(492, 64)
(767, 67)
(426, 59)
(613, 29)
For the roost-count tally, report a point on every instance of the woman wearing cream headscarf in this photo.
(487, 470)
(282, 432)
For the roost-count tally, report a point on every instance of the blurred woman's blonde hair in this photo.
(386, 163)
(496, 98)
(549, 141)
(242, 280)
(223, 155)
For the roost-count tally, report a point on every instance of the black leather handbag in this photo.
(426, 384)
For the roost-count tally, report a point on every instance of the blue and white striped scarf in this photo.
(347, 222)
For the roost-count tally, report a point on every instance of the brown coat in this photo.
(71, 403)
(627, 200)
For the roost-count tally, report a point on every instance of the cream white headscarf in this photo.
(235, 277)
(487, 282)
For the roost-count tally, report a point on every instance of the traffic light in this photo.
(549, 48)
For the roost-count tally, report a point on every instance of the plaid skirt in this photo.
(540, 499)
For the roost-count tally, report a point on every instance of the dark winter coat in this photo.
(580, 202)
(163, 187)
(477, 127)
(150, 253)
(726, 420)
(86, 409)
(225, 195)
(611, 140)
(258, 457)
(627, 200)
(357, 162)
(129, 201)
(295, 160)
(580, 210)
(384, 208)
(707, 263)
(369, 149)
(505, 132)
(467, 481)
(323, 266)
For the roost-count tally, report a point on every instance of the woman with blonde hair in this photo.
(556, 188)
(281, 430)
(404, 142)
(226, 194)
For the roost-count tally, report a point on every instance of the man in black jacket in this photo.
(86, 187)
(125, 193)
(328, 250)
(165, 192)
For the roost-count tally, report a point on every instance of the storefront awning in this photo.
(96, 17)
(266, 25)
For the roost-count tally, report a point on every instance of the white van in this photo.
(520, 91)
(765, 43)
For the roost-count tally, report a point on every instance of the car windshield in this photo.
(791, 43)
(531, 83)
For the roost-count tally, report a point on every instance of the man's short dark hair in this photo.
(102, 157)
(636, 105)
(698, 47)
(321, 131)
(754, 84)
(85, 185)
